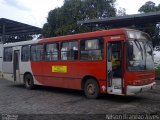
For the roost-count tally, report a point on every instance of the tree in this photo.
(121, 11)
(152, 29)
(63, 20)
(148, 7)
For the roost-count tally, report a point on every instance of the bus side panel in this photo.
(25, 67)
(8, 70)
(37, 72)
(72, 76)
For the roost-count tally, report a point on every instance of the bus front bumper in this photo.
(132, 90)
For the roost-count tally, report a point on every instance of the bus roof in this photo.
(21, 43)
(99, 33)
(87, 35)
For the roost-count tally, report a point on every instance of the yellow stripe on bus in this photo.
(59, 69)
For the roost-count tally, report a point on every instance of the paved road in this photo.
(15, 99)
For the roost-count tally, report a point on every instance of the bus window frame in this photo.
(29, 59)
(5, 54)
(42, 52)
(92, 38)
(61, 42)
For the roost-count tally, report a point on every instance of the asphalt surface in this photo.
(16, 100)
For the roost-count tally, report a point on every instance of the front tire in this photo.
(28, 81)
(91, 89)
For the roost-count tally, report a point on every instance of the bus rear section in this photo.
(16, 61)
(11, 63)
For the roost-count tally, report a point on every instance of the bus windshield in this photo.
(139, 55)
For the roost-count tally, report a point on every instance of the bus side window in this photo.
(8, 54)
(69, 50)
(25, 53)
(92, 49)
(36, 52)
(51, 51)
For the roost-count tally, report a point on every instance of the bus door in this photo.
(16, 71)
(114, 67)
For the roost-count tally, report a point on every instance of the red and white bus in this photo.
(84, 62)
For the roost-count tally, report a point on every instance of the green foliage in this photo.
(148, 7)
(63, 21)
(152, 29)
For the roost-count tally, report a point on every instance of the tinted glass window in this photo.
(7, 54)
(25, 53)
(92, 49)
(36, 52)
(69, 50)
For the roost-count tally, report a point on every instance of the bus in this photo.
(116, 61)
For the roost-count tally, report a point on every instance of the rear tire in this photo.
(91, 89)
(28, 81)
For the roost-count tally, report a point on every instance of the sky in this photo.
(35, 12)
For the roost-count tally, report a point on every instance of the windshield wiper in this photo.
(139, 46)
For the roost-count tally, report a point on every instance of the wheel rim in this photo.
(28, 81)
(91, 89)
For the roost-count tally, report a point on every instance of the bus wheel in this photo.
(91, 89)
(28, 81)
